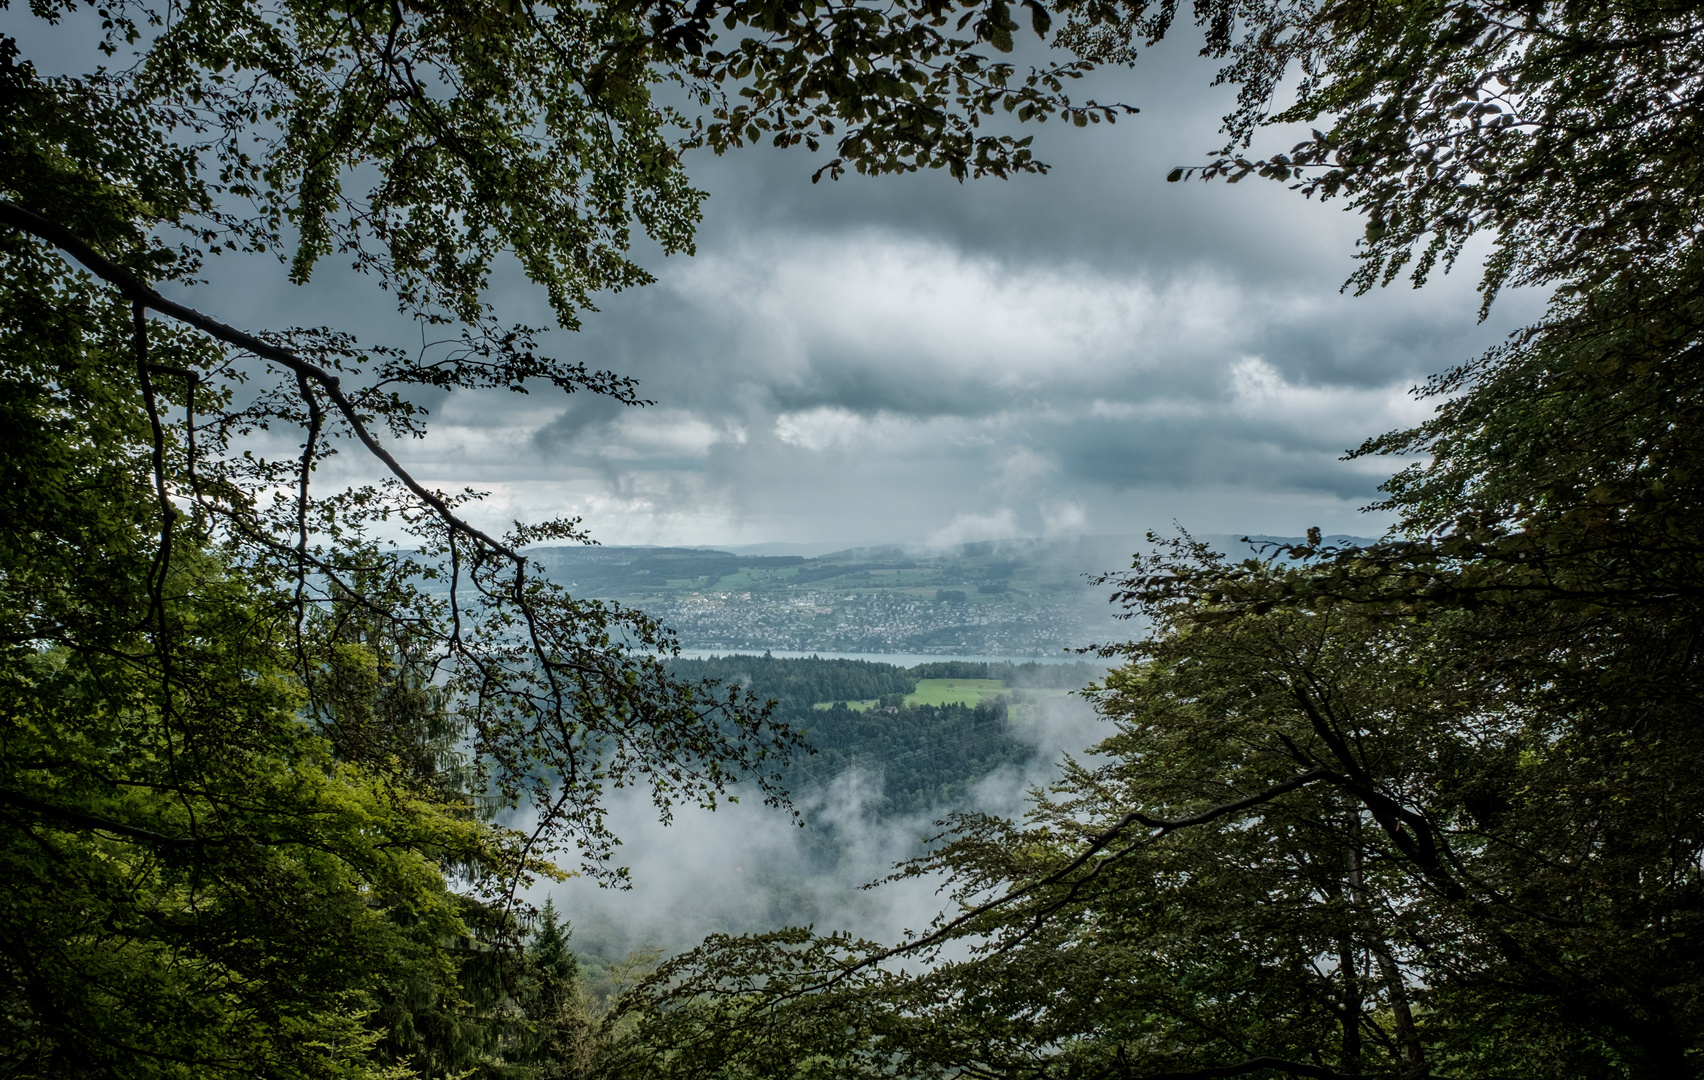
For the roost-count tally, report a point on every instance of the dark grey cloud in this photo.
(909, 359)
(870, 383)
(585, 422)
(1105, 200)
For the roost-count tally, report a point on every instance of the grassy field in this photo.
(936, 692)
(948, 691)
(855, 706)
(952, 691)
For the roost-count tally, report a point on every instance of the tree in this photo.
(250, 757)
(1322, 842)
(1425, 808)
(1566, 132)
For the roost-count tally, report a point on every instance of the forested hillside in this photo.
(929, 757)
(796, 685)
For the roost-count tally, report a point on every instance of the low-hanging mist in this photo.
(748, 867)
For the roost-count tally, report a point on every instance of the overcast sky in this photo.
(910, 359)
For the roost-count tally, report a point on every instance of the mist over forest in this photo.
(883, 775)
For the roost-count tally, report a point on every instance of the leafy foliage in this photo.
(251, 757)
(1321, 842)
(1566, 132)
(1428, 807)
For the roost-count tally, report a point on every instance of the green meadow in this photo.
(941, 692)
(954, 691)
(855, 706)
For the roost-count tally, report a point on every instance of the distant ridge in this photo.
(1237, 543)
(808, 551)
(1014, 597)
(1116, 546)
(1094, 548)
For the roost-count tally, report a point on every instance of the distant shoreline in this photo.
(897, 659)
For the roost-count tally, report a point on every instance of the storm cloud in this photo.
(909, 359)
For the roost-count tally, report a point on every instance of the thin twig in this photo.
(139, 293)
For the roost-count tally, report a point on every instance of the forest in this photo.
(929, 757)
(285, 753)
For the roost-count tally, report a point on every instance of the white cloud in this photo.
(1021, 467)
(664, 432)
(999, 525)
(1259, 391)
(904, 308)
(821, 429)
(1063, 519)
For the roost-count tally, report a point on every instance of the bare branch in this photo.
(138, 292)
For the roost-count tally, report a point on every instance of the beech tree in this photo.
(255, 765)
(1427, 808)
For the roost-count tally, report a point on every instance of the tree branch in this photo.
(1258, 1064)
(90, 821)
(137, 291)
(1098, 843)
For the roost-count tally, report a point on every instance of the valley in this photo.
(1017, 598)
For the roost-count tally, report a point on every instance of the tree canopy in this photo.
(1425, 808)
(270, 786)
(1429, 808)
